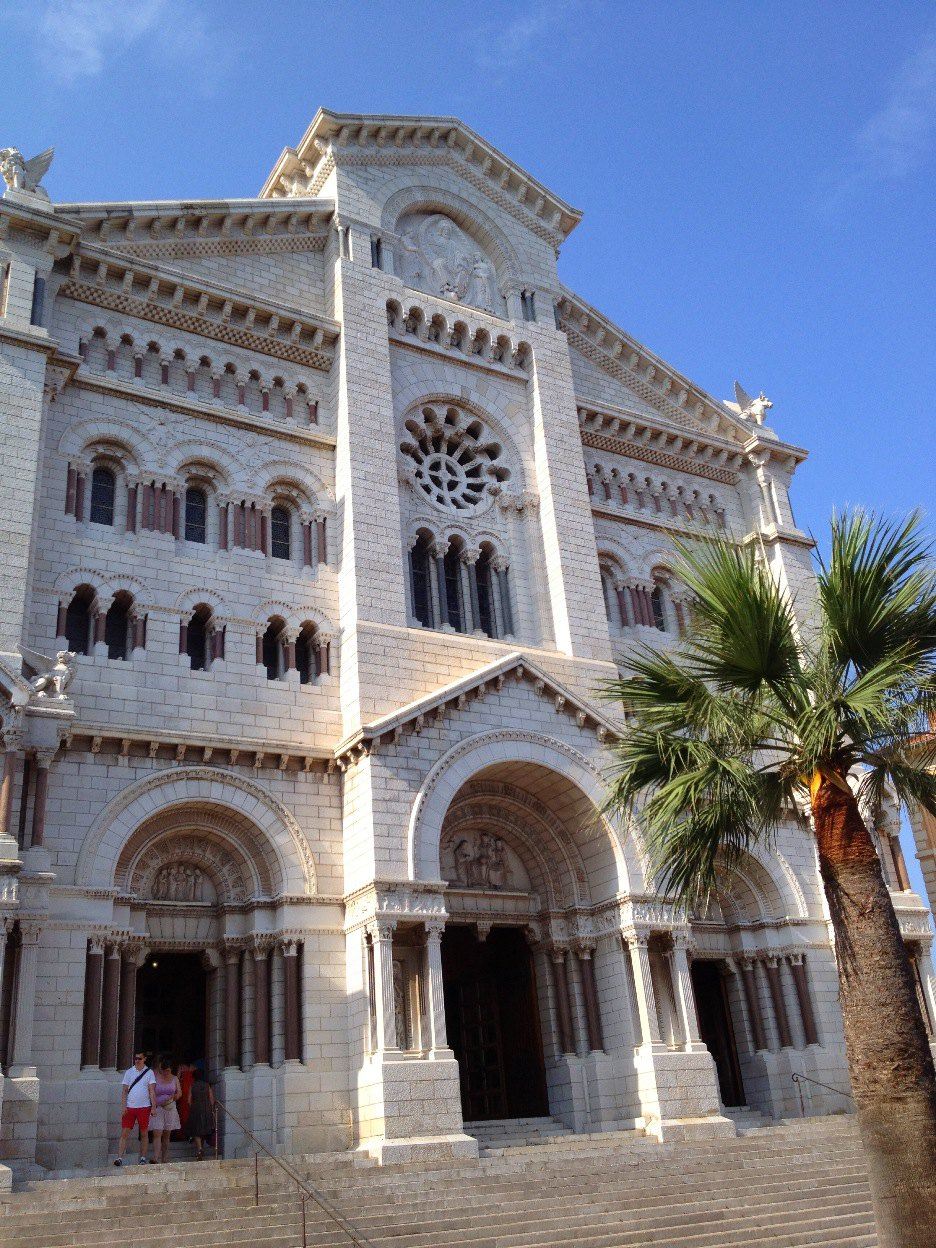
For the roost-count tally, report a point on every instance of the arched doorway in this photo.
(717, 1029)
(493, 1023)
(172, 1007)
(526, 858)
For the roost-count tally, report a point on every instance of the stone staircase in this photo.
(784, 1186)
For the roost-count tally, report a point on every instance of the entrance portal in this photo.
(493, 1025)
(172, 1006)
(717, 1030)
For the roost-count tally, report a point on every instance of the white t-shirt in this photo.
(138, 1097)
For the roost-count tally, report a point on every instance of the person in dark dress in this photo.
(200, 1122)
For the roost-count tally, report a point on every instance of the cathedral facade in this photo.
(325, 514)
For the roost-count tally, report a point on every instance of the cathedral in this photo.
(325, 514)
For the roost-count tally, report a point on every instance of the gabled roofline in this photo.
(412, 716)
(329, 131)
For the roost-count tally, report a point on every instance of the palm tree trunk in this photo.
(889, 1058)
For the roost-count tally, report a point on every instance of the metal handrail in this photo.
(799, 1079)
(305, 1190)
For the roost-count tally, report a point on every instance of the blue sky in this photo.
(757, 178)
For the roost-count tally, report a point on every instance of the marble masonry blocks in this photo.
(371, 889)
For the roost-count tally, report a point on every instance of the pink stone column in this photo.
(292, 1051)
(12, 759)
(91, 1021)
(107, 1058)
(772, 967)
(563, 1011)
(261, 955)
(749, 980)
(130, 959)
(21, 1064)
(232, 1006)
(40, 795)
(585, 956)
(798, 968)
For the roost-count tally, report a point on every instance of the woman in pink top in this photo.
(165, 1117)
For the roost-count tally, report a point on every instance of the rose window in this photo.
(451, 458)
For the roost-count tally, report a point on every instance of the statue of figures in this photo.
(464, 857)
(748, 408)
(438, 257)
(499, 873)
(25, 175)
(54, 682)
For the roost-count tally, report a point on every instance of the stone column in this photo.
(232, 1004)
(585, 954)
(382, 938)
(91, 1019)
(130, 958)
(435, 992)
(12, 758)
(643, 983)
(749, 980)
(438, 554)
(685, 997)
(107, 1054)
(261, 1003)
(772, 967)
(798, 969)
(292, 1001)
(21, 1063)
(40, 795)
(470, 559)
(563, 1011)
(499, 565)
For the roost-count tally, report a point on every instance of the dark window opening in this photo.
(453, 589)
(279, 533)
(78, 621)
(305, 656)
(486, 595)
(196, 646)
(272, 648)
(422, 586)
(196, 515)
(117, 627)
(656, 602)
(103, 486)
(38, 301)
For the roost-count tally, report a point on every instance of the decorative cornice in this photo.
(640, 439)
(137, 393)
(378, 139)
(414, 716)
(171, 297)
(490, 345)
(191, 748)
(204, 227)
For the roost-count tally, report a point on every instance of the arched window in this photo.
(103, 489)
(454, 596)
(307, 659)
(197, 639)
(117, 626)
(196, 514)
(485, 575)
(78, 620)
(279, 533)
(273, 649)
(420, 580)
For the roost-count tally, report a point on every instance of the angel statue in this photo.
(25, 175)
(53, 682)
(748, 408)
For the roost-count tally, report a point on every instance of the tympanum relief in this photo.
(437, 256)
(482, 860)
(182, 882)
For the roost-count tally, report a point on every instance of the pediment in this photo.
(455, 697)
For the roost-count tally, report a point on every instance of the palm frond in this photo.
(878, 593)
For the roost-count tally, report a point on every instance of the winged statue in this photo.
(53, 675)
(25, 175)
(748, 408)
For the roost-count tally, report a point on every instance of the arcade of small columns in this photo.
(109, 1014)
(31, 771)
(659, 975)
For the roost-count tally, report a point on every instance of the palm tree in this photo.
(755, 717)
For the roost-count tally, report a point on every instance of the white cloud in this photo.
(898, 138)
(76, 40)
(502, 46)
(76, 37)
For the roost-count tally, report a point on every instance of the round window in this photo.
(454, 463)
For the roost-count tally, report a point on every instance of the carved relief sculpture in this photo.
(179, 882)
(481, 862)
(53, 682)
(436, 256)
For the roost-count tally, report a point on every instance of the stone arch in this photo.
(760, 889)
(474, 221)
(263, 828)
(618, 855)
(139, 452)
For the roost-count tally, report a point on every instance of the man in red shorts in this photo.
(138, 1098)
